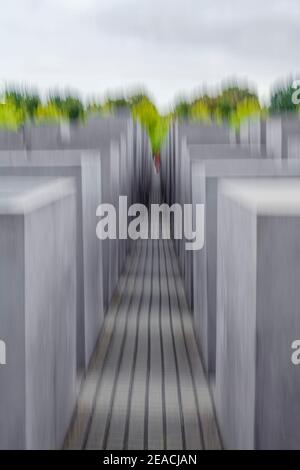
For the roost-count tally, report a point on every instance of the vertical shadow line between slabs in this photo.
(187, 354)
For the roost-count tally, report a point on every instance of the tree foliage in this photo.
(155, 125)
(69, 106)
(231, 104)
(281, 99)
(182, 109)
(49, 112)
(11, 117)
(199, 111)
(25, 101)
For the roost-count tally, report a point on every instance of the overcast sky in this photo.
(170, 46)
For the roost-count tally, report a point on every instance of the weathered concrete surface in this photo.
(184, 194)
(85, 167)
(64, 135)
(38, 311)
(258, 302)
(11, 139)
(181, 135)
(206, 175)
(245, 133)
(257, 135)
(200, 133)
(293, 147)
(278, 130)
(253, 134)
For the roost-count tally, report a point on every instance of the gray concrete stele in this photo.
(257, 399)
(38, 311)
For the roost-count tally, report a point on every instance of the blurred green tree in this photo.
(11, 117)
(281, 99)
(70, 106)
(24, 100)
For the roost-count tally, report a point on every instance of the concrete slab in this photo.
(206, 175)
(38, 310)
(85, 168)
(258, 301)
(278, 130)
